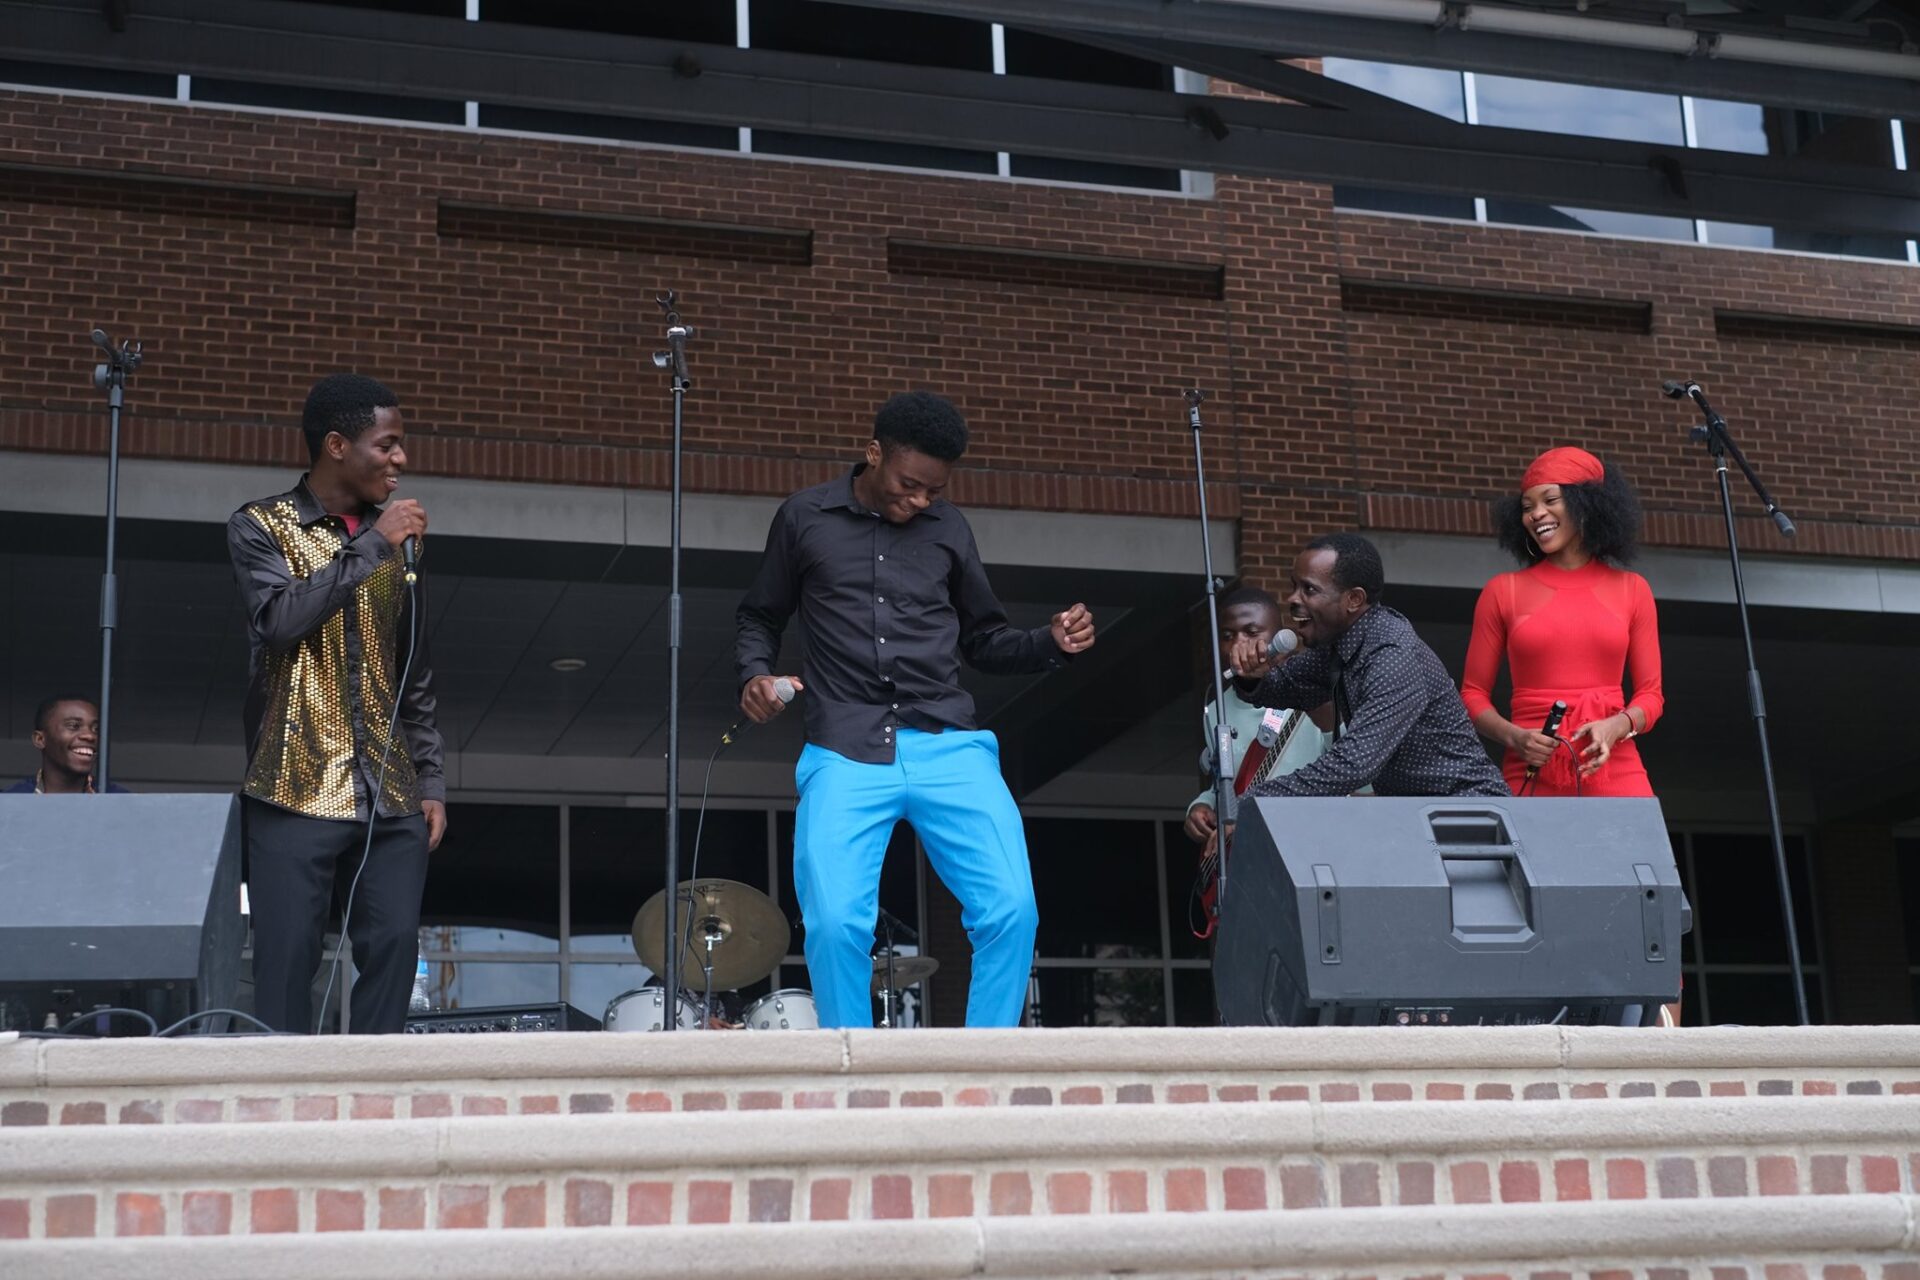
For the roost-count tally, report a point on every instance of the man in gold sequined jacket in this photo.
(343, 756)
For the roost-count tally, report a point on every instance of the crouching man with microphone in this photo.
(885, 575)
(344, 777)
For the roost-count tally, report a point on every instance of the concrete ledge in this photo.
(52, 1064)
(1494, 1240)
(496, 1147)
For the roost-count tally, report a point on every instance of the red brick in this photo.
(339, 1210)
(1135, 1094)
(465, 1205)
(525, 1206)
(1819, 1088)
(1186, 1190)
(1727, 1175)
(1283, 1093)
(1587, 1092)
(1843, 1271)
(589, 1203)
(699, 1100)
(1829, 1175)
(71, 1216)
(1440, 1091)
(1238, 1093)
(892, 1196)
(1678, 1178)
(479, 1105)
(649, 1204)
(430, 1106)
(83, 1113)
(1301, 1187)
(199, 1111)
(1728, 1089)
(257, 1110)
(313, 1107)
(206, 1213)
(829, 1200)
(875, 1099)
(1879, 1174)
(764, 1100)
(546, 1104)
(273, 1211)
(770, 1200)
(649, 1100)
(1010, 1194)
(1127, 1191)
(139, 1213)
(1393, 1093)
(371, 1106)
(146, 1111)
(950, 1195)
(1626, 1180)
(1084, 1095)
(1243, 1188)
(1571, 1180)
(1414, 1180)
(1340, 1092)
(1519, 1182)
(1493, 1093)
(1359, 1185)
(1069, 1193)
(403, 1208)
(819, 1099)
(1188, 1093)
(1786, 1271)
(1472, 1182)
(23, 1114)
(16, 1217)
(1778, 1175)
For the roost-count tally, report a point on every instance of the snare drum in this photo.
(641, 1011)
(789, 1009)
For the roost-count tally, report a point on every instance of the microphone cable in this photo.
(373, 800)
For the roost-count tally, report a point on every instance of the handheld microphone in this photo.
(1552, 729)
(782, 689)
(410, 559)
(1284, 642)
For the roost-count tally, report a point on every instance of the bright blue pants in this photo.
(948, 786)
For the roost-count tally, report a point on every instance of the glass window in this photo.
(141, 84)
(1032, 54)
(496, 873)
(580, 124)
(1097, 884)
(1736, 905)
(695, 21)
(1428, 88)
(1102, 997)
(877, 35)
(1582, 110)
(618, 861)
(483, 984)
(1605, 221)
(339, 102)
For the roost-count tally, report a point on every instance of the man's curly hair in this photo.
(923, 422)
(1606, 514)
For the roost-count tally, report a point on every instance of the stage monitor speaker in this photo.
(121, 900)
(1412, 911)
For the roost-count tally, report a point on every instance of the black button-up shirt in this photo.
(889, 610)
(1405, 728)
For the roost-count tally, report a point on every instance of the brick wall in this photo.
(1372, 371)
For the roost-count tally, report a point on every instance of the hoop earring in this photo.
(1533, 548)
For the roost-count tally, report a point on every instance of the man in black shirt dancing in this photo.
(885, 576)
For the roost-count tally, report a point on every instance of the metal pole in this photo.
(675, 360)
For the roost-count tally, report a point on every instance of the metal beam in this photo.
(1292, 33)
(298, 44)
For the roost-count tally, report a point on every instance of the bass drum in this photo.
(641, 1011)
(789, 1009)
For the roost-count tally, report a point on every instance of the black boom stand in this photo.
(1224, 800)
(674, 360)
(110, 376)
(1720, 446)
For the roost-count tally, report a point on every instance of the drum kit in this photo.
(734, 936)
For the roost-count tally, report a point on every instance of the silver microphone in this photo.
(783, 688)
(1284, 642)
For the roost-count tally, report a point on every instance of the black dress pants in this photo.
(299, 872)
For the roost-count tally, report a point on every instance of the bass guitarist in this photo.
(1267, 742)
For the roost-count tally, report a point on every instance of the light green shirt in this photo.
(1307, 744)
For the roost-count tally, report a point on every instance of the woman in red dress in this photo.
(1570, 625)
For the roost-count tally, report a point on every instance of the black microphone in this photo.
(1552, 729)
(1679, 390)
(410, 559)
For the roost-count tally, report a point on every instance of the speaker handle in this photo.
(1472, 853)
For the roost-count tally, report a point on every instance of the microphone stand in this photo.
(674, 360)
(111, 376)
(1224, 801)
(1713, 433)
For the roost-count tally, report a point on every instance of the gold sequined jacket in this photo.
(328, 620)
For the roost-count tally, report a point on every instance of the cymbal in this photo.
(907, 970)
(750, 933)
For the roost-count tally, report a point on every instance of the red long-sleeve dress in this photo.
(1569, 635)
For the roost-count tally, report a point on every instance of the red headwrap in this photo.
(1565, 465)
